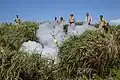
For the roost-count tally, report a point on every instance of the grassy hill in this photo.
(91, 53)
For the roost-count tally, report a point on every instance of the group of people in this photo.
(88, 20)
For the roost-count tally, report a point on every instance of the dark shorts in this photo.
(71, 22)
(89, 24)
(105, 28)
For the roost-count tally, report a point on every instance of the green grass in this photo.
(65, 28)
(79, 23)
(91, 52)
(16, 65)
(12, 36)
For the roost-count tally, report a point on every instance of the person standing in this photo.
(88, 19)
(17, 20)
(103, 23)
(71, 19)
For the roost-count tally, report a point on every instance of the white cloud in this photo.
(114, 22)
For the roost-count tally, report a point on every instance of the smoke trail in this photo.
(44, 34)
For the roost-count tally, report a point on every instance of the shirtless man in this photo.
(71, 19)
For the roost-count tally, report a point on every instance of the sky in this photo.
(42, 10)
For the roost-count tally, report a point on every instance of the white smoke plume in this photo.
(46, 40)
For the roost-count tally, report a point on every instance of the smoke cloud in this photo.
(45, 33)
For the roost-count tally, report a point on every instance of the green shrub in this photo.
(79, 23)
(16, 65)
(116, 74)
(91, 52)
(65, 28)
(95, 25)
(12, 36)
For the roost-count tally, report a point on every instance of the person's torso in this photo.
(17, 20)
(102, 22)
(88, 19)
(71, 19)
(61, 21)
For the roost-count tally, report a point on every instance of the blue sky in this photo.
(40, 10)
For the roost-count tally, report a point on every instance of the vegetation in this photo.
(79, 23)
(22, 66)
(11, 36)
(15, 65)
(95, 25)
(65, 28)
(92, 53)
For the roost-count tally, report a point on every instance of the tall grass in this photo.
(92, 53)
(12, 36)
(16, 65)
